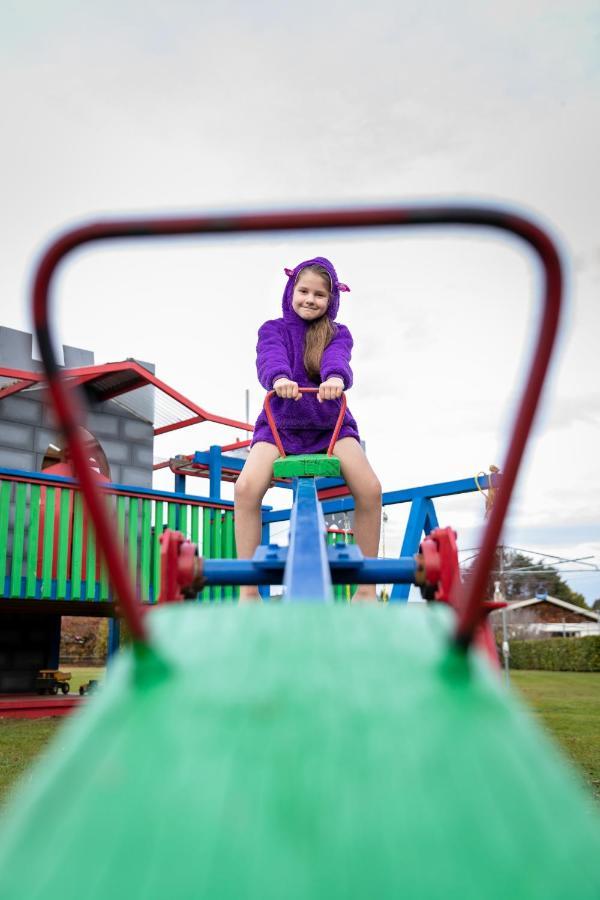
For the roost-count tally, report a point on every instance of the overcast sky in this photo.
(146, 107)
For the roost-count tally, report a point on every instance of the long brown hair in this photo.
(319, 333)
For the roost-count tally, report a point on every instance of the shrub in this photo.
(557, 654)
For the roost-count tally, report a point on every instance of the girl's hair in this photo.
(319, 333)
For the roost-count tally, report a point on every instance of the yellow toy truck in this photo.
(50, 681)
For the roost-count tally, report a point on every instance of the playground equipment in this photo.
(305, 749)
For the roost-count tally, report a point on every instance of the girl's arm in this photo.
(336, 357)
(272, 360)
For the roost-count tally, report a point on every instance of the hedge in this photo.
(557, 654)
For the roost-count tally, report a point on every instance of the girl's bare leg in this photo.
(366, 490)
(250, 488)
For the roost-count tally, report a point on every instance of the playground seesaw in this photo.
(304, 749)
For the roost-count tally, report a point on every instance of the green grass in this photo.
(81, 675)
(22, 740)
(568, 704)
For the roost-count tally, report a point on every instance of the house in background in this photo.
(543, 616)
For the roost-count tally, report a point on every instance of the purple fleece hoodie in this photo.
(305, 426)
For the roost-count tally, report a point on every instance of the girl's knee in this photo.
(245, 493)
(369, 492)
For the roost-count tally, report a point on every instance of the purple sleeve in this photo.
(272, 359)
(336, 357)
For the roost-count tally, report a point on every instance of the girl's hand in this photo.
(286, 389)
(330, 389)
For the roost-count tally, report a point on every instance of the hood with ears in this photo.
(336, 287)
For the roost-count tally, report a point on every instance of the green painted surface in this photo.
(104, 583)
(227, 546)
(77, 554)
(68, 547)
(5, 490)
(194, 530)
(145, 549)
(207, 515)
(158, 530)
(48, 542)
(307, 465)
(216, 547)
(183, 518)
(90, 564)
(301, 751)
(172, 516)
(18, 541)
(343, 593)
(66, 499)
(132, 538)
(32, 540)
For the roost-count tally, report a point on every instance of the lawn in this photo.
(568, 704)
(22, 740)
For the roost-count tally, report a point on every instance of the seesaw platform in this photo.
(305, 751)
(317, 465)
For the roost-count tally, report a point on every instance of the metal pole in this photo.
(247, 410)
(505, 647)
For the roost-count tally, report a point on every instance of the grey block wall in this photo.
(27, 426)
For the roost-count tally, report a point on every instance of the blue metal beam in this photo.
(346, 563)
(422, 518)
(307, 577)
(389, 498)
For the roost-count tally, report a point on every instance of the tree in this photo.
(521, 578)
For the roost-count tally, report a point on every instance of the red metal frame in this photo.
(471, 594)
(85, 374)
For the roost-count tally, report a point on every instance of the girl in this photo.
(306, 348)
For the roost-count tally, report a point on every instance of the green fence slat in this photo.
(217, 546)
(90, 563)
(183, 518)
(132, 538)
(194, 529)
(145, 550)
(33, 540)
(207, 514)
(18, 541)
(77, 548)
(121, 519)
(66, 501)
(236, 587)
(48, 543)
(228, 548)
(103, 581)
(158, 529)
(172, 516)
(5, 492)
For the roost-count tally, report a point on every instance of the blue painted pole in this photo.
(265, 589)
(268, 567)
(215, 471)
(422, 519)
(114, 635)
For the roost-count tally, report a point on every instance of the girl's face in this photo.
(311, 295)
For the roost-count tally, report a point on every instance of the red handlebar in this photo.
(470, 601)
(304, 390)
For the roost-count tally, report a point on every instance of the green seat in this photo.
(308, 465)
